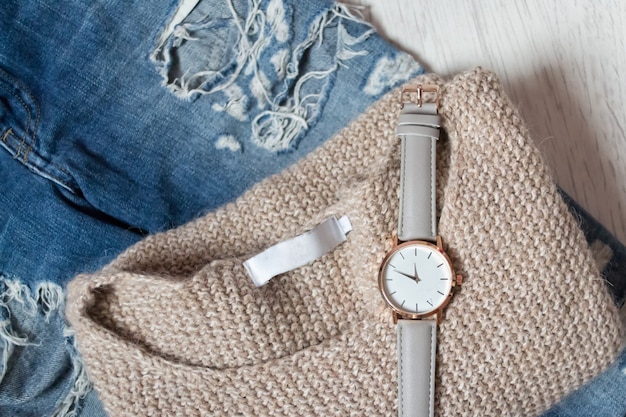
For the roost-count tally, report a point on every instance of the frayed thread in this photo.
(228, 142)
(51, 299)
(277, 128)
(391, 70)
(285, 114)
(20, 293)
(251, 41)
(48, 299)
(9, 340)
(81, 387)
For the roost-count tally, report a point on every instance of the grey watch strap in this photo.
(418, 128)
(417, 343)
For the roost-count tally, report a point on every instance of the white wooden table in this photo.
(561, 61)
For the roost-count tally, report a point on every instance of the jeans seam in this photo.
(30, 131)
(29, 163)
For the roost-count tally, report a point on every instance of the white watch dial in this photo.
(416, 278)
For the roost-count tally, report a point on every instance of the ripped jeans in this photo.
(119, 120)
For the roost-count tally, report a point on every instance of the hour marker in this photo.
(441, 264)
(400, 253)
(428, 301)
(415, 251)
(429, 255)
(440, 292)
(416, 307)
(444, 279)
(403, 301)
(388, 279)
(393, 266)
(393, 293)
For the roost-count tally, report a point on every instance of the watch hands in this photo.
(417, 278)
(414, 277)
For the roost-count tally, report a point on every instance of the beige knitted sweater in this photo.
(175, 327)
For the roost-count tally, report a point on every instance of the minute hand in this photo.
(417, 278)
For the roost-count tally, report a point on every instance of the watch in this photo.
(416, 277)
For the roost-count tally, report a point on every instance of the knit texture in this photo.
(175, 327)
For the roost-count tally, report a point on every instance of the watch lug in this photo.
(439, 242)
(439, 317)
(394, 316)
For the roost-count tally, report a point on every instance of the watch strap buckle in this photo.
(421, 90)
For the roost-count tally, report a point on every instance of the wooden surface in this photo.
(562, 62)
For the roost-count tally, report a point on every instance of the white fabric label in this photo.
(298, 251)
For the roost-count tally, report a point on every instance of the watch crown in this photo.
(459, 280)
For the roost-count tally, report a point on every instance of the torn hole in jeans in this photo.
(258, 69)
(38, 357)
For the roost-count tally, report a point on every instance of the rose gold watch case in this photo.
(398, 313)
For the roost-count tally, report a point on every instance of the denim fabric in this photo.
(605, 396)
(119, 119)
(152, 133)
(42, 368)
